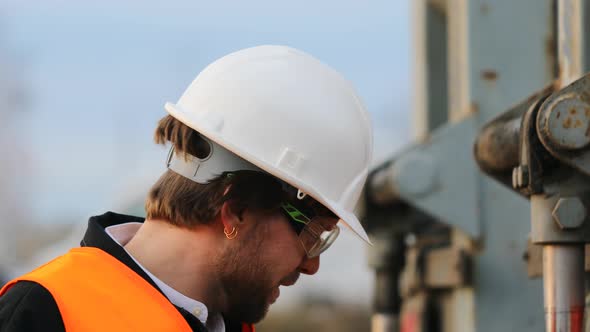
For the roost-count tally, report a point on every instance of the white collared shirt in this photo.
(122, 234)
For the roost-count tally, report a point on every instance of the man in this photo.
(269, 151)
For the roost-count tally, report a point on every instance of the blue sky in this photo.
(96, 76)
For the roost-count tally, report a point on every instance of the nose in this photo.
(310, 265)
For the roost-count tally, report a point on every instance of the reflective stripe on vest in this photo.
(96, 292)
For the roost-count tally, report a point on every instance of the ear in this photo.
(230, 218)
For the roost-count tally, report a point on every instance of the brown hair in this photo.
(186, 203)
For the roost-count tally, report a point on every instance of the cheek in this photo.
(284, 247)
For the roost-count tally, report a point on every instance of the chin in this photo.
(250, 313)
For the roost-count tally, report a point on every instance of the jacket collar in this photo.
(97, 237)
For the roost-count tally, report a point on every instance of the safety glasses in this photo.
(316, 231)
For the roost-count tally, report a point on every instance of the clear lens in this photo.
(317, 238)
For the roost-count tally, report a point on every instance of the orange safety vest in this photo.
(96, 292)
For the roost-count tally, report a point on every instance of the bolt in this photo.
(569, 213)
(566, 122)
(520, 177)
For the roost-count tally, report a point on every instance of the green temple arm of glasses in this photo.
(295, 214)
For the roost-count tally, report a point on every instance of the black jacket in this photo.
(27, 306)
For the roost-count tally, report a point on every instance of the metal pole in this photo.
(563, 264)
(496, 147)
(387, 258)
(384, 323)
(570, 41)
(563, 281)
(563, 269)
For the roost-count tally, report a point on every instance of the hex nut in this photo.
(569, 213)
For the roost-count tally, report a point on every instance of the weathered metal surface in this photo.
(533, 157)
(534, 259)
(410, 279)
(565, 139)
(428, 177)
(388, 228)
(567, 122)
(381, 187)
(387, 259)
(384, 323)
(447, 268)
(563, 281)
(520, 177)
(413, 174)
(388, 297)
(498, 80)
(414, 313)
(545, 229)
(460, 87)
(430, 66)
(496, 148)
(570, 41)
(569, 213)
(460, 311)
(436, 268)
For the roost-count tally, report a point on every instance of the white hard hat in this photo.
(289, 115)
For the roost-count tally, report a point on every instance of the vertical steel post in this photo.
(563, 264)
(387, 259)
(384, 323)
(563, 283)
(563, 274)
(570, 42)
(430, 41)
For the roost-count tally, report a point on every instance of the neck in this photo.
(181, 258)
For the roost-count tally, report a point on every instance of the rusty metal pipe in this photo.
(563, 283)
(496, 148)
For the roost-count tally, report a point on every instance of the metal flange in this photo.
(563, 125)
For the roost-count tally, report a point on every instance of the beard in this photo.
(247, 283)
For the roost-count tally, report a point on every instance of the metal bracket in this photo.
(428, 177)
(496, 148)
(527, 177)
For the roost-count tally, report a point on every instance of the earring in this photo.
(231, 235)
